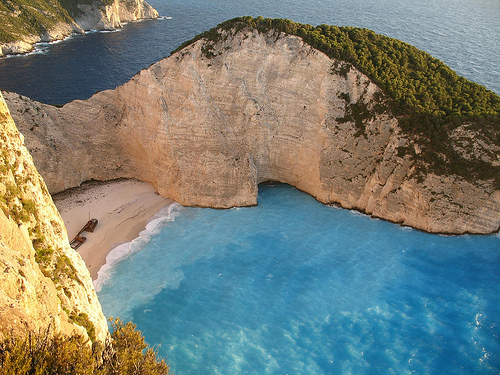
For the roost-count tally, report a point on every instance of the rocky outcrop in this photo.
(58, 32)
(211, 122)
(133, 10)
(43, 282)
(91, 16)
(109, 17)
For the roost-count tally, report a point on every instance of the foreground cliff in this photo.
(43, 282)
(24, 23)
(223, 114)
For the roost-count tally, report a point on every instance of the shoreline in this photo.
(28, 45)
(123, 208)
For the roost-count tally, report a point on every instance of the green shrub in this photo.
(47, 353)
(43, 255)
(83, 320)
(20, 18)
(30, 207)
(64, 267)
(133, 355)
(44, 353)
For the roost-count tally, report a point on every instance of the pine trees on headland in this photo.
(412, 79)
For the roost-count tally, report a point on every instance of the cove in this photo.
(294, 286)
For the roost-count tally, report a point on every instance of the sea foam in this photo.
(153, 227)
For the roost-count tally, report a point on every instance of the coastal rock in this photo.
(133, 10)
(94, 16)
(43, 282)
(16, 48)
(211, 122)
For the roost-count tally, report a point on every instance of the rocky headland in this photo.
(27, 23)
(221, 115)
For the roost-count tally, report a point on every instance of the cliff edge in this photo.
(24, 23)
(43, 282)
(223, 114)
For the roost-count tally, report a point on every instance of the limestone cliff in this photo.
(94, 16)
(22, 24)
(42, 280)
(211, 122)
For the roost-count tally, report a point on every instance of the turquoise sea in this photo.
(293, 286)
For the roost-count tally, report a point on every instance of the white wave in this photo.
(38, 49)
(35, 51)
(46, 44)
(358, 213)
(405, 228)
(335, 206)
(41, 48)
(109, 31)
(164, 18)
(451, 235)
(93, 31)
(153, 227)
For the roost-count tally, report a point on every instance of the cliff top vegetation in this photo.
(429, 99)
(413, 79)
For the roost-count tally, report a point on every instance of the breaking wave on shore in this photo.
(122, 251)
(294, 286)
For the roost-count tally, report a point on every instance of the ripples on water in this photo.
(293, 286)
(464, 35)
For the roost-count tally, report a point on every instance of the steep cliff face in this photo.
(42, 280)
(56, 22)
(208, 124)
(94, 16)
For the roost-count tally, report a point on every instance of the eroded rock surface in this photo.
(43, 282)
(211, 122)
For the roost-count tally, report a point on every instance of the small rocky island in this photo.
(351, 117)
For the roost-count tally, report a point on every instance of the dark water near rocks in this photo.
(464, 34)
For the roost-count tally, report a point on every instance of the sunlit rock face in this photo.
(211, 122)
(43, 282)
(95, 16)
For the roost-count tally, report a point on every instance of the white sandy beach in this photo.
(123, 208)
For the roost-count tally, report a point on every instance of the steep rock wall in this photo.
(208, 124)
(109, 17)
(43, 282)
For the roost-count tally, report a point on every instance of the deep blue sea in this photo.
(293, 286)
